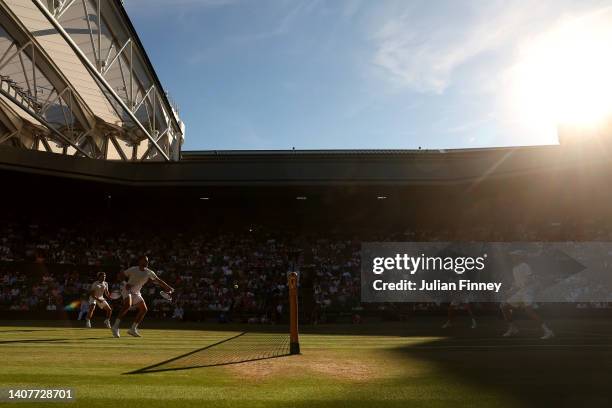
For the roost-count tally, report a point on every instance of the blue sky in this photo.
(351, 74)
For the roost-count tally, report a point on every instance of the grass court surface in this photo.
(412, 363)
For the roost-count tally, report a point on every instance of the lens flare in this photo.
(563, 76)
(74, 305)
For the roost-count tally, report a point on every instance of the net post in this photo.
(294, 341)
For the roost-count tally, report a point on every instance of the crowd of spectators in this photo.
(233, 272)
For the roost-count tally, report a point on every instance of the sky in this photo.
(384, 74)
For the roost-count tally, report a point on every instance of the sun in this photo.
(564, 76)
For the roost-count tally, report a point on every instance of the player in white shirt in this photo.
(523, 297)
(97, 291)
(137, 277)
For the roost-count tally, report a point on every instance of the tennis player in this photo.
(523, 297)
(453, 307)
(137, 277)
(97, 291)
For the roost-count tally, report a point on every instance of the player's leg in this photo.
(127, 305)
(142, 311)
(533, 315)
(451, 316)
(468, 309)
(507, 312)
(108, 310)
(90, 312)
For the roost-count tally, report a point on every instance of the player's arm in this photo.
(106, 292)
(160, 282)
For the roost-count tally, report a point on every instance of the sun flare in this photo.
(564, 76)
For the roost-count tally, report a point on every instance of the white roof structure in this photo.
(75, 79)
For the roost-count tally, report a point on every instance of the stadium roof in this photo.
(318, 168)
(75, 79)
(204, 154)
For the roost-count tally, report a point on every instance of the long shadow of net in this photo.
(241, 348)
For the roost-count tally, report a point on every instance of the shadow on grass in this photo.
(241, 348)
(573, 369)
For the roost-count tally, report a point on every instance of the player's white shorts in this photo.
(136, 296)
(522, 298)
(100, 303)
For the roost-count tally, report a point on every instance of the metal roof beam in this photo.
(27, 45)
(97, 75)
(42, 120)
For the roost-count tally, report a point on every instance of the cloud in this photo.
(167, 8)
(422, 47)
(472, 125)
(350, 8)
(286, 21)
(166, 5)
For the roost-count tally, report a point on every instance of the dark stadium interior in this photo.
(316, 228)
(228, 247)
